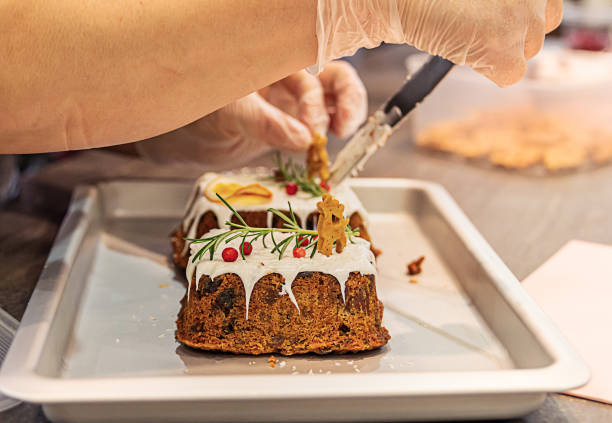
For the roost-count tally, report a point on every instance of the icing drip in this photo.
(356, 257)
(303, 204)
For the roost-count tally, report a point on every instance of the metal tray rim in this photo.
(18, 376)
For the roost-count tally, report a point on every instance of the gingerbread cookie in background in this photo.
(520, 138)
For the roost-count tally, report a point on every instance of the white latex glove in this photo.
(283, 116)
(495, 37)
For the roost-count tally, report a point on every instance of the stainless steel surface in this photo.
(8, 327)
(374, 133)
(91, 347)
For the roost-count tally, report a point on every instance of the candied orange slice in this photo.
(238, 194)
(224, 189)
(254, 189)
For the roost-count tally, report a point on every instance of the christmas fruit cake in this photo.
(252, 192)
(286, 290)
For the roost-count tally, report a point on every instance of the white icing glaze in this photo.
(302, 203)
(356, 257)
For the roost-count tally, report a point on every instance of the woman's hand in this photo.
(495, 37)
(284, 116)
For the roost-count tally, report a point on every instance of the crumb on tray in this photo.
(414, 267)
(164, 285)
(272, 361)
(414, 281)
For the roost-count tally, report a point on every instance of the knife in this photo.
(375, 132)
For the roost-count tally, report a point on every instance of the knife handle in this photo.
(428, 76)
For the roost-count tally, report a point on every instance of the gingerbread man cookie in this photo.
(331, 225)
(317, 161)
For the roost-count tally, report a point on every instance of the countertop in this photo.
(525, 218)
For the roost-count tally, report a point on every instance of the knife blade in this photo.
(375, 132)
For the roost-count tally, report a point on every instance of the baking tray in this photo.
(96, 342)
(8, 327)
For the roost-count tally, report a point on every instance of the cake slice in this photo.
(252, 192)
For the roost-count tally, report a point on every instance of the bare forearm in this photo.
(77, 74)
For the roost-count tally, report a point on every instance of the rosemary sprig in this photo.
(251, 234)
(292, 172)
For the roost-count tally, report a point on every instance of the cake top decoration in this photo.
(317, 160)
(295, 176)
(335, 232)
(332, 225)
(236, 193)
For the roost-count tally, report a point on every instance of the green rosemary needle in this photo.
(298, 235)
(292, 172)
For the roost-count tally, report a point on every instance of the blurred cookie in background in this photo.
(558, 118)
(519, 138)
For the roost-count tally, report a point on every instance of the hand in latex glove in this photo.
(283, 116)
(495, 37)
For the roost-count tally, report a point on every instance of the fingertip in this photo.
(265, 124)
(554, 14)
(309, 95)
(291, 135)
(349, 95)
(344, 124)
(339, 67)
(506, 74)
(315, 117)
(351, 111)
(533, 47)
(301, 141)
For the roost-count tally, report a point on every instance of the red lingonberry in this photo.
(291, 188)
(229, 254)
(302, 241)
(324, 185)
(247, 248)
(299, 252)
